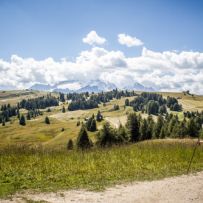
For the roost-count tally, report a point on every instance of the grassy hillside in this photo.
(37, 132)
(34, 156)
(50, 170)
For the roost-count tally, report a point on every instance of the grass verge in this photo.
(46, 170)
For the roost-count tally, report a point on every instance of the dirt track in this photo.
(180, 189)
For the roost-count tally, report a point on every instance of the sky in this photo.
(156, 43)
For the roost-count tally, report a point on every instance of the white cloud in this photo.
(165, 71)
(93, 38)
(129, 41)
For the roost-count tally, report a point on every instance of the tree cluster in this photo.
(39, 102)
(89, 101)
(153, 103)
(7, 111)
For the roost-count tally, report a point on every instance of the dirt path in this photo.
(180, 189)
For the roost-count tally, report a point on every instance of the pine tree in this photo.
(99, 117)
(122, 136)
(106, 136)
(93, 126)
(143, 130)
(182, 129)
(22, 120)
(162, 133)
(150, 124)
(158, 127)
(47, 121)
(127, 103)
(3, 122)
(83, 141)
(28, 116)
(70, 144)
(192, 128)
(63, 109)
(132, 126)
(78, 123)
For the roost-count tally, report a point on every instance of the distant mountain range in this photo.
(91, 86)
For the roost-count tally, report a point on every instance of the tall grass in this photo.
(48, 170)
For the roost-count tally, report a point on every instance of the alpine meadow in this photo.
(88, 113)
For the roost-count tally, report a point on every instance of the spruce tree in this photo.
(93, 125)
(106, 136)
(150, 124)
(162, 133)
(63, 109)
(28, 116)
(143, 130)
(3, 122)
(22, 120)
(127, 103)
(158, 127)
(192, 128)
(70, 144)
(99, 117)
(83, 141)
(47, 121)
(132, 126)
(122, 136)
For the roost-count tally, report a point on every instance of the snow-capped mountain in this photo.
(97, 86)
(139, 87)
(41, 87)
(91, 86)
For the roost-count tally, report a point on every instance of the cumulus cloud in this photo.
(129, 41)
(164, 71)
(93, 38)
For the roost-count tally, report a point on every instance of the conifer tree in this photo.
(63, 109)
(83, 141)
(93, 126)
(162, 133)
(28, 116)
(22, 120)
(132, 126)
(192, 128)
(127, 103)
(70, 144)
(106, 136)
(158, 127)
(143, 129)
(47, 121)
(122, 136)
(3, 122)
(99, 117)
(150, 124)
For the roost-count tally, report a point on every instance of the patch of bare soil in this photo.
(182, 189)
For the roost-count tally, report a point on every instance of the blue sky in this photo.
(157, 43)
(44, 28)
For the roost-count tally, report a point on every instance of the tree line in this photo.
(138, 129)
(152, 103)
(89, 101)
(32, 105)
